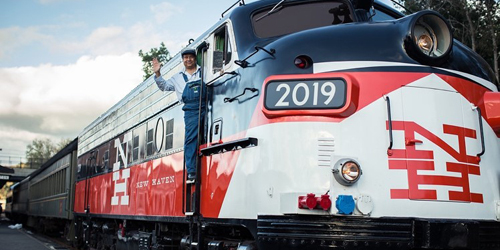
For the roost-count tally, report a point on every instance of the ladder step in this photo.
(189, 213)
(190, 182)
(194, 245)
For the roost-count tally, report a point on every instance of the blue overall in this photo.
(191, 99)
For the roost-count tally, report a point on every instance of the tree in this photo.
(40, 150)
(63, 143)
(492, 23)
(160, 53)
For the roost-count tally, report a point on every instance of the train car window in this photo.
(169, 134)
(105, 160)
(287, 19)
(150, 142)
(97, 164)
(135, 148)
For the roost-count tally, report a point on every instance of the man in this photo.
(187, 86)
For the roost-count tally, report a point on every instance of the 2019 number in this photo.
(327, 89)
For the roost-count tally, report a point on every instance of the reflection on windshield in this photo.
(293, 18)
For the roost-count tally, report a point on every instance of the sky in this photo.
(65, 62)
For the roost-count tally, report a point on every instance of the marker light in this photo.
(302, 62)
(346, 171)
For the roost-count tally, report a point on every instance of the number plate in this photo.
(305, 94)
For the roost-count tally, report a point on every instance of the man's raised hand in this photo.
(156, 66)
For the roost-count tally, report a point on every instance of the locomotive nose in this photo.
(422, 38)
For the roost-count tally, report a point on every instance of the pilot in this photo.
(187, 86)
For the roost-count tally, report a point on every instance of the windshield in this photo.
(289, 19)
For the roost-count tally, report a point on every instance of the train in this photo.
(337, 124)
(44, 199)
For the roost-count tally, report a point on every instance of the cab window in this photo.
(222, 49)
(381, 16)
(287, 19)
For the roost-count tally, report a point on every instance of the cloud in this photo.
(13, 38)
(164, 11)
(115, 40)
(59, 101)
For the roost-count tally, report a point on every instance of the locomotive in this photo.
(328, 124)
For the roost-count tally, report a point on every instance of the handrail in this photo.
(389, 117)
(221, 75)
(480, 117)
(239, 1)
(243, 63)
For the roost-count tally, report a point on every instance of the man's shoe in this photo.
(191, 176)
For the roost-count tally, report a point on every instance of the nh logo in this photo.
(120, 177)
(420, 164)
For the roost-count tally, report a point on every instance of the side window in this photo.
(228, 52)
(150, 142)
(135, 148)
(169, 134)
(222, 50)
(105, 160)
(381, 16)
(97, 167)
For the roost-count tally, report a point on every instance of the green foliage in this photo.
(160, 53)
(40, 150)
(63, 143)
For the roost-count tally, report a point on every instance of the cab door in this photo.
(440, 132)
(219, 63)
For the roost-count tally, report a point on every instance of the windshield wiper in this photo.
(275, 9)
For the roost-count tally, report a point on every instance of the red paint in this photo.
(409, 142)
(154, 188)
(218, 170)
(151, 192)
(491, 103)
(367, 87)
(488, 101)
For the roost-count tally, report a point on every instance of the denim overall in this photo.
(191, 99)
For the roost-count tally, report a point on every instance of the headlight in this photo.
(430, 39)
(346, 171)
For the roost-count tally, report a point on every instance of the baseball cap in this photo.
(187, 51)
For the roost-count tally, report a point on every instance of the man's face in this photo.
(189, 61)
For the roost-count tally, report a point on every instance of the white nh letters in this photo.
(125, 172)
